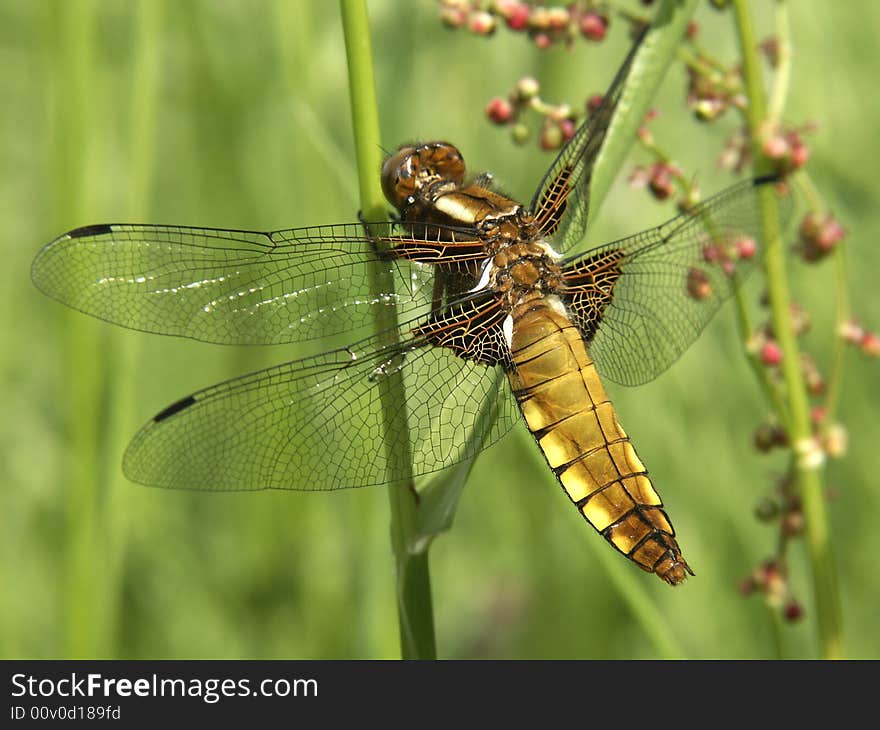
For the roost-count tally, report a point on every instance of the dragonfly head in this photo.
(408, 172)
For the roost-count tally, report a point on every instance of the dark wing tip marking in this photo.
(96, 229)
(176, 407)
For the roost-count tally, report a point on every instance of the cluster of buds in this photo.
(546, 25)
(785, 147)
(768, 436)
(724, 254)
(736, 154)
(812, 377)
(711, 91)
(770, 580)
(659, 178)
(818, 235)
(559, 122)
(662, 177)
(854, 334)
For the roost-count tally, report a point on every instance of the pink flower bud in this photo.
(771, 353)
(746, 248)
(481, 23)
(594, 26)
(870, 344)
(517, 17)
(698, 285)
(499, 110)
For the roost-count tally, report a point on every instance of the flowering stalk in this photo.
(808, 458)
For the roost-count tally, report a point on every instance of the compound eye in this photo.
(397, 176)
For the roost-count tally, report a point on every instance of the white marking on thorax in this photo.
(452, 206)
(549, 251)
(485, 277)
(507, 329)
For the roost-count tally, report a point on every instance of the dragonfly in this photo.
(492, 305)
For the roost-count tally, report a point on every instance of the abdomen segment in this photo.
(566, 409)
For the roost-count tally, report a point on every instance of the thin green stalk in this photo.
(808, 464)
(776, 106)
(415, 611)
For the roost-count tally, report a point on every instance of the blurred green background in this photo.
(235, 114)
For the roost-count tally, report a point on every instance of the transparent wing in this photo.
(318, 423)
(562, 201)
(242, 287)
(640, 302)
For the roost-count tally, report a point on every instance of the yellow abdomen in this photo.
(565, 406)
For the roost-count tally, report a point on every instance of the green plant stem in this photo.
(415, 611)
(779, 94)
(807, 465)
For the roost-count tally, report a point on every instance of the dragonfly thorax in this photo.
(524, 268)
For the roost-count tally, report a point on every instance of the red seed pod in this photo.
(745, 247)
(800, 152)
(481, 23)
(543, 41)
(594, 102)
(568, 128)
(830, 233)
(818, 414)
(776, 147)
(516, 14)
(499, 111)
(661, 181)
(594, 26)
(771, 353)
(870, 344)
(698, 285)
(551, 137)
(819, 234)
(793, 611)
